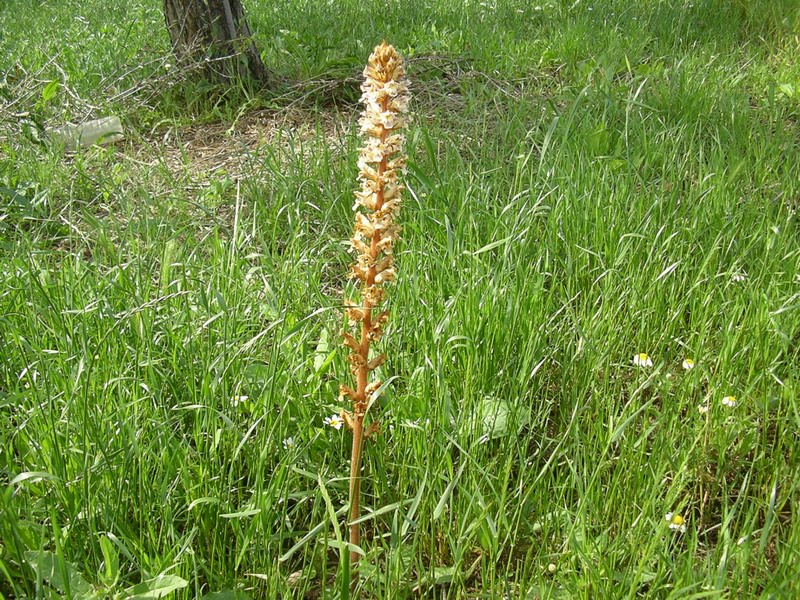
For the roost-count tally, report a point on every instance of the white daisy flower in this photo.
(688, 364)
(739, 277)
(676, 522)
(334, 421)
(237, 400)
(729, 401)
(288, 443)
(642, 360)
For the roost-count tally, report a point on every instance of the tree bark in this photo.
(215, 30)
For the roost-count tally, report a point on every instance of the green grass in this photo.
(587, 181)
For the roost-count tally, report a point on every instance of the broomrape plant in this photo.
(385, 98)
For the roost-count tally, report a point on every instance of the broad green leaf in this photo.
(227, 595)
(158, 587)
(323, 355)
(110, 574)
(50, 90)
(541, 591)
(443, 575)
(60, 574)
(33, 475)
(499, 418)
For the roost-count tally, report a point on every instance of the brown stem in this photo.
(355, 485)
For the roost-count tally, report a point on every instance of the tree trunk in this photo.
(215, 30)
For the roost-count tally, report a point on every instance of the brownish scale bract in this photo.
(385, 98)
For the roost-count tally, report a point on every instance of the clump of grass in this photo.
(385, 98)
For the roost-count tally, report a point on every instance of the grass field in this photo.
(588, 180)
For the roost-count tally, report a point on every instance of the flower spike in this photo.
(377, 204)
